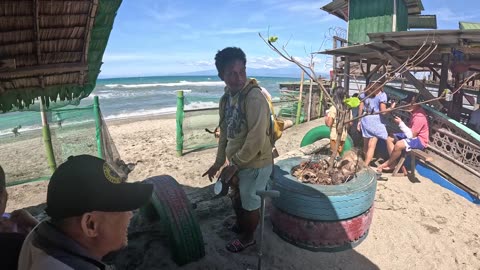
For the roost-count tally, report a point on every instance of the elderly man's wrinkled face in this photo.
(113, 230)
(235, 76)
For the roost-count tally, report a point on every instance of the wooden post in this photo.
(299, 104)
(457, 102)
(98, 126)
(346, 75)
(309, 107)
(444, 73)
(180, 115)
(47, 140)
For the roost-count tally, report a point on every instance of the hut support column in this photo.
(444, 73)
(98, 126)
(47, 140)
(346, 75)
(180, 115)
(456, 105)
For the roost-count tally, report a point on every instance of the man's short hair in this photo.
(227, 56)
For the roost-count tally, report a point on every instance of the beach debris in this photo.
(317, 172)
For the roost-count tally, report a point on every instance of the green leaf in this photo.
(273, 39)
(352, 102)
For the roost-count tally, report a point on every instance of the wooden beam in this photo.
(6, 64)
(346, 75)
(392, 44)
(33, 71)
(88, 29)
(421, 88)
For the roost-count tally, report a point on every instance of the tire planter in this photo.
(326, 236)
(321, 202)
(322, 132)
(172, 206)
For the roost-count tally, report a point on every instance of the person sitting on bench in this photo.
(413, 137)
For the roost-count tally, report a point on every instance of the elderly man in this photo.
(244, 141)
(90, 209)
(414, 137)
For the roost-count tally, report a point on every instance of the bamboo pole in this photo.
(320, 104)
(299, 104)
(309, 108)
(98, 126)
(180, 116)
(47, 139)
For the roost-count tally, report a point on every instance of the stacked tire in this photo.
(171, 205)
(320, 217)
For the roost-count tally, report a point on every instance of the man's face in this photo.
(113, 230)
(235, 76)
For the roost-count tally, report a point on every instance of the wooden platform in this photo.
(455, 174)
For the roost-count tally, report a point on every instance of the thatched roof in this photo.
(51, 48)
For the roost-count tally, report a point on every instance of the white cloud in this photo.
(447, 15)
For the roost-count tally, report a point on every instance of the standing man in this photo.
(90, 209)
(244, 142)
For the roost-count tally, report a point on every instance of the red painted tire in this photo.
(327, 236)
(176, 215)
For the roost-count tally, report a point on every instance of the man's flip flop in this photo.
(237, 246)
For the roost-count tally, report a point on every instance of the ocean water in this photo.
(145, 96)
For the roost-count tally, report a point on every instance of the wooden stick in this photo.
(309, 100)
(299, 105)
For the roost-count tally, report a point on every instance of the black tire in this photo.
(176, 215)
(322, 202)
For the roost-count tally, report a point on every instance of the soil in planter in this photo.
(315, 171)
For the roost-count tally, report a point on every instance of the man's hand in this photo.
(397, 120)
(211, 172)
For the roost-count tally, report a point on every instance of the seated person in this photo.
(474, 121)
(13, 228)
(413, 137)
(90, 209)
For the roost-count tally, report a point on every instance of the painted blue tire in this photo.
(322, 202)
(322, 132)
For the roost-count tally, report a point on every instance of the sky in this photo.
(167, 37)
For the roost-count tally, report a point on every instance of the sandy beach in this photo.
(416, 225)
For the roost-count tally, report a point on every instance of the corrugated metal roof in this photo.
(469, 26)
(338, 8)
(422, 21)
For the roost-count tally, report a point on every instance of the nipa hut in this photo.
(51, 50)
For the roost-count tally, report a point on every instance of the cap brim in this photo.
(126, 197)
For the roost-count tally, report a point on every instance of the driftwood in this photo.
(306, 150)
